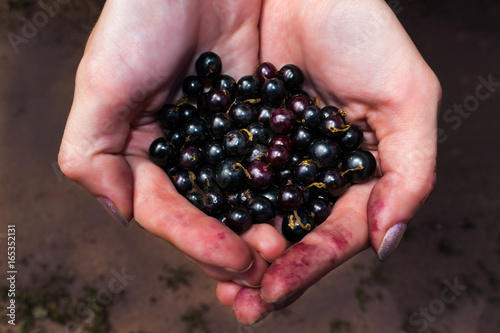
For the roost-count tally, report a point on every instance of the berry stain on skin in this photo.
(374, 210)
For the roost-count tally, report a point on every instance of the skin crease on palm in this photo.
(354, 55)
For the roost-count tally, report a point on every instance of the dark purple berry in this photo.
(227, 83)
(190, 158)
(306, 172)
(239, 220)
(208, 65)
(262, 210)
(249, 87)
(292, 77)
(296, 225)
(273, 91)
(282, 121)
(192, 86)
(290, 197)
(335, 183)
(162, 152)
(325, 152)
(359, 166)
(261, 175)
(278, 156)
(264, 71)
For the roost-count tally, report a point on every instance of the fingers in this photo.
(266, 240)
(340, 237)
(407, 159)
(165, 213)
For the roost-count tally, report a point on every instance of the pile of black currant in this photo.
(247, 151)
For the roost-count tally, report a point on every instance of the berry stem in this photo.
(250, 135)
(291, 222)
(360, 167)
(318, 185)
(335, 129)
(238, 165)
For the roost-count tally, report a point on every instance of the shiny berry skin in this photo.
(265, 71)
(261, 175)
(292, 230)
(188, 112)
(162, 152)
(264, 112)
(306, 172)
(298, 103)
(351, 139)
(359, 166)
(190, 158)
(208, 65)
(213, 152)
(273, 91)
(271, 193)
(169, 116)
(258, 153)
(302, 137)
(333, 127)
(229, 175)
(217, 100)
(245, 197)
(239, 220)
(205, 176)
(262, 210)
(290, 197)
(282, 121)
(260, 133)
(182, 182)
(320, 209)
(242, 115)
(325, 152)
(236, 143)
(329, 110)
(281, 140)
(226, 82)
(195, 131)
(177, 136)
(214, 200)
(278, 157)
(195, 198)
(249, 87)
(335, 183)
(292, 77)
(284, 176)
(219, 124)
(312, 116)
(192, 86)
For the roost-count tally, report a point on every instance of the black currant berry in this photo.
(262, 210)
(192, 86)
(273, 91)
(320, 210)
(306, 172)
(195, 131)
(242, 115)
(249, 87)
(325, 152)
(278, 157)
(214, 200)
(282, 121)
(260, 175)
(334, 181)
(213, 152)
(312, 116)
(190, 158)
(290, 197)
(302, 137)
(264, 71)
(230, 175)
(351, 139)
(208, 65)
(227, 83)
(236, 143)
(169, 116)
(162, 152)
(182, 182)
(292, 77)
(239, 220)
(359, 166)
(296, 225)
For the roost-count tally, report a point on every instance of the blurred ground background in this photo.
(70, 255)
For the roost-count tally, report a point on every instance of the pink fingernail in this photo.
(391, 240)
(240, 271)
(245, 283)
(112, 210)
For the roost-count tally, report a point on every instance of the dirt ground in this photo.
(79, 271)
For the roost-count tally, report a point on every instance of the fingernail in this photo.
(240, 271)
(112, 210)
(391, 240)
(245, 283)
